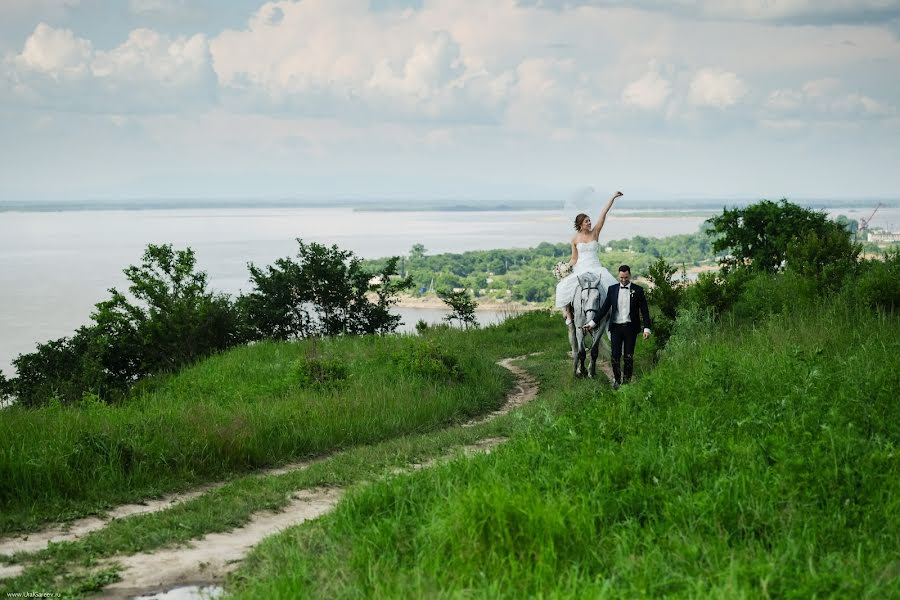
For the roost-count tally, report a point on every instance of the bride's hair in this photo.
(579, 220)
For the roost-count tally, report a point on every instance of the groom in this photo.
(626, 303)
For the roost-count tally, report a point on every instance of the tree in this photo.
(323, 293)
(171, 321)
(462, 307)
(851, 225)
(666, 294)
(174, 320)
(386, 286)
(827, 257)
(417, 252)
(758, 235)
(5, 389)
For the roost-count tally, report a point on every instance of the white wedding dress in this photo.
(588, 261)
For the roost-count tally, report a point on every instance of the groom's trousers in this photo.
(624, 338)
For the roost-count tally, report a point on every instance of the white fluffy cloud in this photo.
(57, 53)
(336, 58)
(650, 92)
(716, 88)
(148, 72)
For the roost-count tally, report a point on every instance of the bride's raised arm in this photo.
(595, 232)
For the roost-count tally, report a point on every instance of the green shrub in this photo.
(878, 285)
(765, 294)
(425, 358)
(315, 370)
(826, 256)
(717, 292)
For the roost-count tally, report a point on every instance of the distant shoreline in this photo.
(434, 302)
(654, 207)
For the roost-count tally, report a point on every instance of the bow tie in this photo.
(624, 287)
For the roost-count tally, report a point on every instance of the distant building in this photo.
(882, 236)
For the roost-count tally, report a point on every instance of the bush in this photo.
(717, 292)
(316, 371)
(765, 294)
(462, 307)
(323, 293)
(826, 256)
(878, 285)
(666, 295)
(427, 359)
(758, 235)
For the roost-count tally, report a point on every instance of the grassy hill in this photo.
(755, 460)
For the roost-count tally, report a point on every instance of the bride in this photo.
(584, 259)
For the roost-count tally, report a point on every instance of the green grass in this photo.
(248, 408)
(752, 462)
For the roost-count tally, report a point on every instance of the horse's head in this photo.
(588, 298)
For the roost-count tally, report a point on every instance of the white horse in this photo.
(589, 296)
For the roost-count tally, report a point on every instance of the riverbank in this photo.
(432, 301)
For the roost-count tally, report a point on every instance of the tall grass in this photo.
(250, 407)
(752, 462)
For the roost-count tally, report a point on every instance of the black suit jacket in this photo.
(638, 305)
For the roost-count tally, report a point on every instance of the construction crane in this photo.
(864, 223)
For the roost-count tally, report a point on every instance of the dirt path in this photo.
(211, 557)
(74, 530)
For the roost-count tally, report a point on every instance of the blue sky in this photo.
(448, 98)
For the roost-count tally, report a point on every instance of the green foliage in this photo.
(5, 388)
(427, 359)
(752, 462)
(172, 321)
(878, 285)
(462, 307)
(717, 292)
(323, 293)
(763, 294)
(63, 370)
(826, 256)
(246, 408)
(376, 316)
(850, 225)
(666, 295)
(758, 235)
(318, 371)
(417, 252)
(525, 275)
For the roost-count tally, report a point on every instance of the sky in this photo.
(139, 99)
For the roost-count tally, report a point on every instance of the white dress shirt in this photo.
(623, 315)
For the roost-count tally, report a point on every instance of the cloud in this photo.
(799, 12)
(336, 58)
(149, 72)
(825, 98)
(649, 92)
(57, 53)
(716, 88)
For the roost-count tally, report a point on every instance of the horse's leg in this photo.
(578, 353)
(572, 339)
(581, 354)
(595, 350)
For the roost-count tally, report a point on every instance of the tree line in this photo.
(169, 318)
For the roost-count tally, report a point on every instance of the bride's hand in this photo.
(619, 194)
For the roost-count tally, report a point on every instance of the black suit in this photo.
(624, 336)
